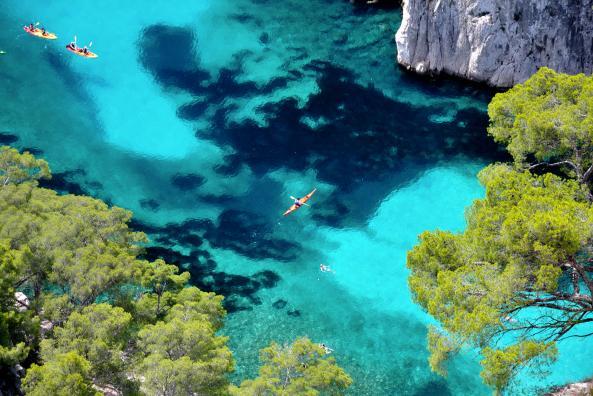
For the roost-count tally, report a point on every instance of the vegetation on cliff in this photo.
(99, 317)
(519, 278)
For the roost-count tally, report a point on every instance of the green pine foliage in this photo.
(547, 121)
(111, 320)
(519, 277)
(300, 369)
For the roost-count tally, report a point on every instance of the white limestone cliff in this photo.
(500, 42)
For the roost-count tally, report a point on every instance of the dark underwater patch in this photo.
(231, 166)
(150, 204)
(33, 150)
(279, 304)
(364, 136)
(248, 234)
(246, 18)
(438, 387)
(63, 182)
(240, 291)
(168, 47)
(8, 138)
(295, 313)
(187, 182)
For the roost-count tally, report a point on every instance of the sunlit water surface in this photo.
(203, 117)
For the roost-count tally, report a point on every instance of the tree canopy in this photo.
(65, 375)
(547, 122)
(302, 368)
(111, 320)
(519, 277)
(16, 168)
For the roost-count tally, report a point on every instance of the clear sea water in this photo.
(203, 117)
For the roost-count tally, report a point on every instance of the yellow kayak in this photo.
(80, 52)
(39, 33)
(299, 202)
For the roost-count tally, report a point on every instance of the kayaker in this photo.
(43, 32)
(31, 27)
(85, 50)
(72, 46)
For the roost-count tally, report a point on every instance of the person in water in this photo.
(325, 268)
(326, 349)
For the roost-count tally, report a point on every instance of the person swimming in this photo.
(326, 349)
(325, 268)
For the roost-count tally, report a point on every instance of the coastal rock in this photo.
(500, 42)
(22, 301)
(46, 326)
(576, 389)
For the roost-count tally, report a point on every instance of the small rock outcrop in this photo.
(22, 301)
(500, 42)
(576, 389)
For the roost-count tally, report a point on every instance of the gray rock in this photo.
(22, 301)
(576, 389)
(500, 42)
(46, 326)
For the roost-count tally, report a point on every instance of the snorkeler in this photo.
(325, 268)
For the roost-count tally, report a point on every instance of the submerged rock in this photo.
(500, 42)
(279, 304)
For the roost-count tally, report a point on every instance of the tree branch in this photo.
(588, 174)
(569, 163)
(583, 274)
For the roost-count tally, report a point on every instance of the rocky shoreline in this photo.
(584, 388)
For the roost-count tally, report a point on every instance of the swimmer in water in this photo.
(325, 268)
(326, 349)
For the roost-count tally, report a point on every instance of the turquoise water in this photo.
(203, 117)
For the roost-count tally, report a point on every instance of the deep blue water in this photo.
(203, 117)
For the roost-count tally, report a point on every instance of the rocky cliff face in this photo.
(501, 42)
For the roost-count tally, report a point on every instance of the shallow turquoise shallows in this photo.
(204, 117)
